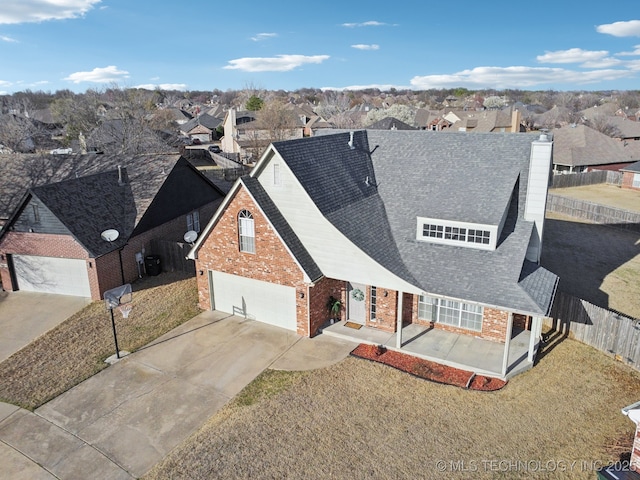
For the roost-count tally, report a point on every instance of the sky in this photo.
(188, 45)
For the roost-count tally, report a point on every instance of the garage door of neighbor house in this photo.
(64, 276)
(262, 301)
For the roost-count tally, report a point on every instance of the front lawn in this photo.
(360, 419)
(76, 349)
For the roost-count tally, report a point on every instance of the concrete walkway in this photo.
(122, 421)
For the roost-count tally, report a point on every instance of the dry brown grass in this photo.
(361, 419)
(76, 349)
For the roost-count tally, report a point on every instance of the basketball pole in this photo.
(115, 337)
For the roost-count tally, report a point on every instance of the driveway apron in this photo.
(122, 421)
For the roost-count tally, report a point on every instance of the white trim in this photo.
(492, 229)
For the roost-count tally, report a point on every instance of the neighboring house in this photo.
(632, 472)
(626, 129)
(390, 123)
(405, 227)
(244, 137)
(53, 242)
(501, 121)
(631, 176)
(578, 148)
(203, 127)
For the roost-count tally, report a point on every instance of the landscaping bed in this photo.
(426, 369)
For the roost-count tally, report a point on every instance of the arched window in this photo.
(246, 232)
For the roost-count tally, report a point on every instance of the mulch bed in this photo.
(427, 370)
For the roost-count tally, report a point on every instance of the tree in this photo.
(278, 120)
(254, 103)
(404, 113)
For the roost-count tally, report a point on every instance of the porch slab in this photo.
(466, 352)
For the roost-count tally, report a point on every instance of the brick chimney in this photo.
(516, 117)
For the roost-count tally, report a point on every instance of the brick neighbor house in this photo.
(404, 227)
(631, 176)
(53, 241)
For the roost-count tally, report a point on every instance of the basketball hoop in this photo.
(125, 309)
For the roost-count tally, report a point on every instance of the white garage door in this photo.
(255, 299)
(64, 276)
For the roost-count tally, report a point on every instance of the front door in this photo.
(356, 304)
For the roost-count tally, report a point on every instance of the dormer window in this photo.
(456, 233)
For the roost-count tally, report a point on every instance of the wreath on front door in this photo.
(357, 295)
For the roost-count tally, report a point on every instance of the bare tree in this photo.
(278, 120)
(602, 125)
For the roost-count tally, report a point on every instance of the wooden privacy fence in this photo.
(610, 332)
(173, 256)
(586, 178)
(594, 212)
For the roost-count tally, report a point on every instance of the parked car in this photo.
(61, 151)
(215, 149)
(197, 141)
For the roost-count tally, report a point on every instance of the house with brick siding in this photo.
(54, 240)
(442, 230)
(631, 176)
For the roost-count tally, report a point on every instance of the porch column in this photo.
(536, 329)
(507, 344)
(399, 321)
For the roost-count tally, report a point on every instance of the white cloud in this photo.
(24, 11)
(634, 53)
(263, 36)
(361, 46)
(370, 23)
(279, 63)
(621, 29)
(4, 38)
(515, 77)
(573, 55)
(4, 83)
(99, 75)
(164, 86)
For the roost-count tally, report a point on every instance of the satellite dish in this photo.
(190, 236)
(110, 235)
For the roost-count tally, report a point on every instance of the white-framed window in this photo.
(246, 232)
(373, 304)
(450, 312)
(277, 180)
(193, 221)
(456, 233)
(636, 180)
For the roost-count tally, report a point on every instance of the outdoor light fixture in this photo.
(301, 294)
(201, 272)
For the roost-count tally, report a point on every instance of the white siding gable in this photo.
(334, 253)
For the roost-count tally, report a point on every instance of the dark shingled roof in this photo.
(374, 192)
(106, 204)
(282, 227)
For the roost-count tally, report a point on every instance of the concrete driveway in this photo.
(122, 421)
(25, 316)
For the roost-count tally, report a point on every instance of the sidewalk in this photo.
(122, 421)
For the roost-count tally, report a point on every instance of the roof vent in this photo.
(351, 146)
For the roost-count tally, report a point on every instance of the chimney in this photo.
(515, 121)
(537, 187)
(122, 175)
(350, 143)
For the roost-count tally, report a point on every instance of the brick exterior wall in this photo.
(627, 180)
(386, 308)
(104, 272)
(318, 297)
(635, 452)
(494, 323)
(271, 263)
(521, 321)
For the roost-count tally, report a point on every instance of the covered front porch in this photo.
(466, 352)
